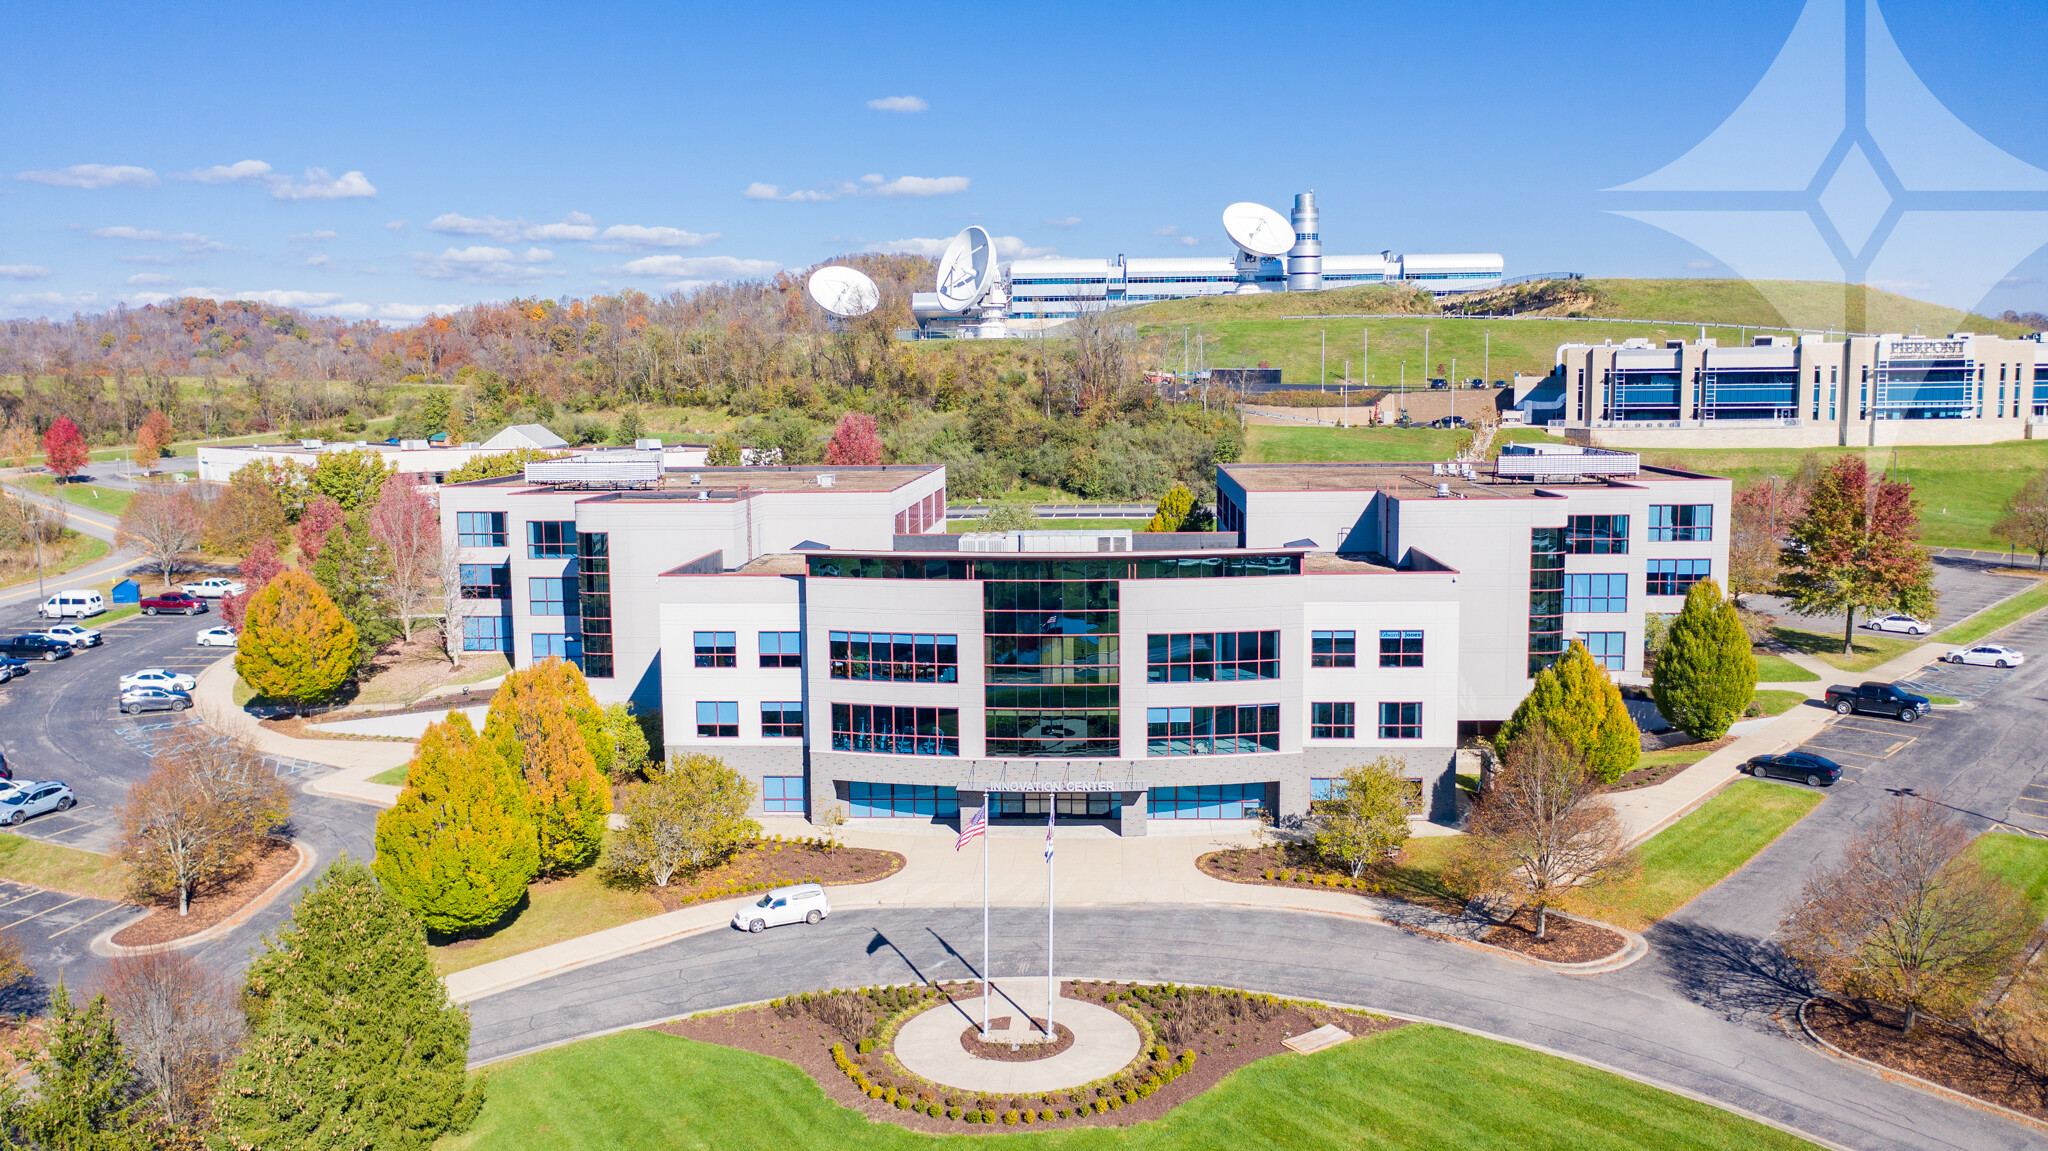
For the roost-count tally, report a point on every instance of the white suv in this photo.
(804, 902)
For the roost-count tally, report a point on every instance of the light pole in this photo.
(1323, 364)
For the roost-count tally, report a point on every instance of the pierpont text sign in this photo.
(1905, 349)
(1045, 785)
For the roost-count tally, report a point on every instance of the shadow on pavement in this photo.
(1744, 980)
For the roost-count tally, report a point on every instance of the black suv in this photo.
(1878, 699)
(40, 647)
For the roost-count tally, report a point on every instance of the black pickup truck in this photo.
(1878, 699)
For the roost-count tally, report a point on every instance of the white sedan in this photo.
(1987, 655)
(158, 677)
(1900, 623)
(74, 635)
(216, 637)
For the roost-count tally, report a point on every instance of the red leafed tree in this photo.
(854, 441)
(319, 518)
(152, 439)
(257, 569)
(1856, 546)
(63, 448)
(408, 523)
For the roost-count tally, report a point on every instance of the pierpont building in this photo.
(1346, 612)
(1805, 391)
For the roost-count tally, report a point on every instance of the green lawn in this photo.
(112, 501)
(1416, 1087)
(956, 527)
(1699, 851)
(66, 869)
(2020, 860)
(554, 910)
(1870, 648)
(1779, 701)
(1777, 669)
(1997, 616)
(1270, 444)
(395, 777)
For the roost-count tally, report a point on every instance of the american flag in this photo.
(977, 824)
(1048, 834)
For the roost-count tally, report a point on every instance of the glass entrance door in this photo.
(1064, 805)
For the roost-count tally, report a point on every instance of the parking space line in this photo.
(45, 911)
(1893, 750)
(31, 894)
(83, 922)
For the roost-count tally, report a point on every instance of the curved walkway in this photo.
(929, 1046)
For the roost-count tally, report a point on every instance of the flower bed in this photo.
(1950, 1056)
(972, 1042)
(1193, 1037)
(775, 861)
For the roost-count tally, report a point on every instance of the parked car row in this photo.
(190, 600)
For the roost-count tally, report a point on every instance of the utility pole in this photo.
(1486, 365)
(1425, 353)
(1323, 364)
(1345, 389)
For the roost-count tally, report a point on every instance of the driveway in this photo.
(1962, 587)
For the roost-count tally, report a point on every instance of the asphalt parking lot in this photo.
(55, 931)
(1962, 587)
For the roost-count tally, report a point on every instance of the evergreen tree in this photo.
(295, 644)
(544, 722)
(353, 1043)
(629, 741)
(1583, 708)
(354, 570)
(84, 1096)
(459, 848)
(1706, 673)
(1173, 510)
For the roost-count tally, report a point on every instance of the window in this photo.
(1546, 597)
(1332, 721)
(550, 539)
(1596, 535)
(895, 730)
(901, 801)
(1212, 730)
(1051, 658)
(555, 645)
(898, 656)
(782, 649)
(480, 529)
(785, 793)
(1608, 648)
(1205, 657)
(1333, 649)
(552, 595)
(1400, 721)
(1210, 801)
(1671, 523)
(486, 581)
(1400, 649)
(1675, 577)
(1597, 592)
(717, 648)
(1322, 789)
(718, 719)
(593, 568)
(782, 719)
(487, 633)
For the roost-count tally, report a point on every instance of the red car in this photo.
(173, 601)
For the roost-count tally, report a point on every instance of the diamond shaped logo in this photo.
(1855, 199)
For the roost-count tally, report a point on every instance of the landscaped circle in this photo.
(929, 1046)
(1028, 1049)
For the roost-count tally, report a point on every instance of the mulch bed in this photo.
(1645, 776)
(300, 727)
(1294, 865)
(1567, 940)
(767, 863)
(1222, 1044)
(1947, 1055)
(970, 1042)
(164, 925)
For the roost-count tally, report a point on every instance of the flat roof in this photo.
(736, 483)
(1414, 481)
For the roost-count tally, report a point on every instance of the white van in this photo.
(73, 604)
(804, 902)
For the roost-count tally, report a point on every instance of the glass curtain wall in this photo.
(1051, 633)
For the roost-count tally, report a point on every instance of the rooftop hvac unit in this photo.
(310, 445)
(612, 469)
(988, 542)
(647, 444)
(826, 479)
(1443, 491)
(412, 445)
(1516, 462)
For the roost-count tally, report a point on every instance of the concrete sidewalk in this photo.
(354, 761)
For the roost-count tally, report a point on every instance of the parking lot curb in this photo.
(103, 944)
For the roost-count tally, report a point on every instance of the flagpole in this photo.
(1051, 988)
(987, 986)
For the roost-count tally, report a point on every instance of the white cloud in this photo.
(24, 272)
(1063, 222)
(872, 178)
(1007, 247)
(707, 268)
(319, 261)
(55, 299)
(146, 298)
(1189, 241)
(1701, 265)
(320, 185)
(898, 104)
(869, 185)
(384, 310)
(94, 176)
(923, 186)
(152, 279)
(759, 191)
(623, 236)
(395, 226)
(483, 265)
(574, 226)
(191, 242)
(1169, 230)
(282, 298)
(239, 172)
(311, 237)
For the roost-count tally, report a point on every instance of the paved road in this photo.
(1963, 586)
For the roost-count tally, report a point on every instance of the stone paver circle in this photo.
(928, 1046)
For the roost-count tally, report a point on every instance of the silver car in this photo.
(137, 699)
(34, 799)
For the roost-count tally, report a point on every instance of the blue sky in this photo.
(379, 160)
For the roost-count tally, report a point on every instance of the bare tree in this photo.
(165, 523)
(454, 608)
(1543, 829)
(2025, 523)
(1907, 919)
(206, 804)
(406, 521)
(179, 1024)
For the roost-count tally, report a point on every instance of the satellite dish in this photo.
(967, 269)
(843, 291)
(1258, 229)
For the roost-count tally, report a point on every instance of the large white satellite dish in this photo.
(1258, 229)
(967, 270)
(843, 291)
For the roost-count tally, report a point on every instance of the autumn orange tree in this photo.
(544, 721)
(152, 438)
(460, 847)
(205, 806)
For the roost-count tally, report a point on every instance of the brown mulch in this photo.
(1947, 1055)
(1645, 776)
(1304, 870)
(300, 727)
(808, 1043)
(163, 924)
(970, 1042)
(770, 863)
(1568, 940)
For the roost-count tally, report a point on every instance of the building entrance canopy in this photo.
(1071, 798)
